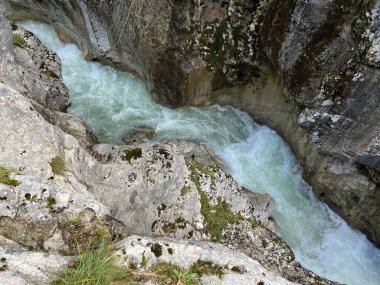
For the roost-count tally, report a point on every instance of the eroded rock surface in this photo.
(30, 68)
(234, 267)
(204, 52)
(20, 266)
(324, 65)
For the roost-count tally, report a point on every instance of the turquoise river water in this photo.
(112, 102)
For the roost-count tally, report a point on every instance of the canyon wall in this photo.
(307, 69)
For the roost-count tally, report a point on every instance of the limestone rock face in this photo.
(236, 268)
(21, 266)
(30, 67)
(328, 70)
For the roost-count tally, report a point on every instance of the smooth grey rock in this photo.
(21, 266)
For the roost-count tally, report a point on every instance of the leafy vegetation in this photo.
(18, 40)
(5, 179)
(97, 266)
(93, 267)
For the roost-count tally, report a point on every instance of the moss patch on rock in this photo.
(132, 153)
(58, 165)
(50, 73)
(5, 179)
(185, 190)
(203, 268)
(217, 217)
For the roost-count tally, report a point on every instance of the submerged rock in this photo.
(138, 135)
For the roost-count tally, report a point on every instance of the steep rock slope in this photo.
(230, 52)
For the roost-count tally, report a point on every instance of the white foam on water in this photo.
(112, 102)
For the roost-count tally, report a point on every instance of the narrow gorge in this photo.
(146, 174)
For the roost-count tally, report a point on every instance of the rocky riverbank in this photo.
(280, 61)
(58, 186)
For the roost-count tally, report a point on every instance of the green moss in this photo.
(185, 190)
(51, 202)
(217, 217)
(203, 268)
(156, 249)
(132, 153)
(58, 165)
(5, 179)
(18, 40)
(254, 222)
(50, 73)
(194, 167)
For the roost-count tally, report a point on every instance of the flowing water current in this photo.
(113, 102)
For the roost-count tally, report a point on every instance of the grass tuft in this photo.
(167, 273)
(93, 267)
(18, 40)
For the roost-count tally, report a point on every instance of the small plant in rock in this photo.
(166, 273)
(58, 165)
(186, 276)
(18, 40)
(93, 267)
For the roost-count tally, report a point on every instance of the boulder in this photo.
(138, 135)
(20, 266)
(233, 267)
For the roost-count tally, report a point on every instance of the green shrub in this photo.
(58, 165)
(19, 41)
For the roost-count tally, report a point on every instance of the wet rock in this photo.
(139, 135)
